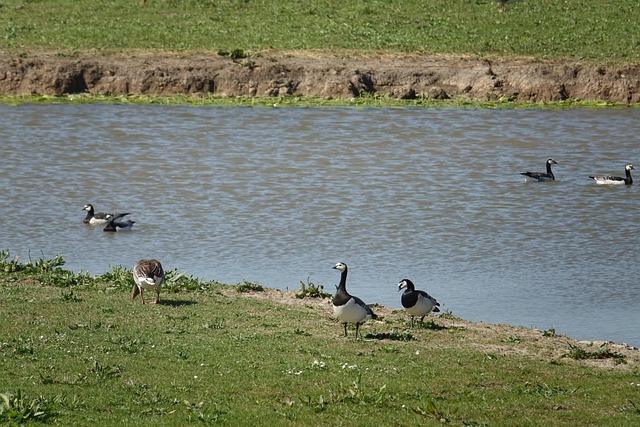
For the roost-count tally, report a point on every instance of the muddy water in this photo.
(279, 195)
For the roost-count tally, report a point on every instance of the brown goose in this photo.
(147, 274)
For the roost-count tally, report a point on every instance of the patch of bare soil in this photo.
(318, 75)
(492, 339)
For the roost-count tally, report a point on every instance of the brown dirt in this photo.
(318, 74)
(491, 339)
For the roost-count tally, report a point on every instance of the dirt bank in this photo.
(320, 75)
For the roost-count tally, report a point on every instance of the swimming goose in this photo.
(627, 180)
(147, 274)
(113, 225)
(541, 176)
(348, 308)
(99, 218)
(417, 303)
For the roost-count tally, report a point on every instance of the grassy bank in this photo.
(76, 351)
(543, 28)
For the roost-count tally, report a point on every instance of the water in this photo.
(278, 195)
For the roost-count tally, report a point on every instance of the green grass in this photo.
(590, 29)
(209, 354)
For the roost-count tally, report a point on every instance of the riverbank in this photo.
(318, 74)
(80, 351)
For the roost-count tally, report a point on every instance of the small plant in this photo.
(17, 408)
(214, 324)
(69, 296)
(431, 409)
(235, 54)
(431, 325)
(105, 372)
(311, 290)
(8, 266)
(577, 353)
(447, 314)
(247, 286)
(551, 332)
(117, 276)
(511, 339)
(546, 390)
(393, 336)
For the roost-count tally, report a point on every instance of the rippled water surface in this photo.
(279, 195)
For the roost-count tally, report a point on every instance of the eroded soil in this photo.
(318, 75)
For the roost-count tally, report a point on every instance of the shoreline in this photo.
(313, 74)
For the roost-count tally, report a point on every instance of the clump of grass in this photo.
(17, 408)
(393, 336)
(578, 353)
(511, 339)
(41, 265)
(355, 393)
(247, 286)
(69, 296)
(432, 410)
(551, 332)
(311, 290)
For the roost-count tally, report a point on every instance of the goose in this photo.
(99, 218)
(147, 274)
(417, 303)
(541, 176)
(348, 308)
(616, 180)
(113, 225)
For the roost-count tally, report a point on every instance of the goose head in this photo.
(405, 284)
(341, 267)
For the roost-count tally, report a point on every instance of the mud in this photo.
(319, 75)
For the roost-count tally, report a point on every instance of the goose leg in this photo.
(157, 297)
(345, 329)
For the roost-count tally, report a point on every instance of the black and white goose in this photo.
(113, 225)
(417, 303)
(147, 274)
(541, 176)
(347, 308)
(616, 180)
(99, 218)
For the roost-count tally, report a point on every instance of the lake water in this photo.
(279, 195)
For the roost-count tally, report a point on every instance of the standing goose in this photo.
(147, 274)
(417, 303)
(113, 225)
(541, 176)
(99, 218)
(348, 308)
(616, 180)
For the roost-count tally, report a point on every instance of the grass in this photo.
(85, 354)
(584, 29)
